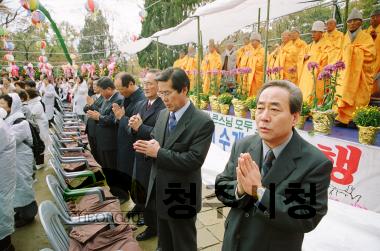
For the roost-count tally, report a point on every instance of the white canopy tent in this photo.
(219, 19)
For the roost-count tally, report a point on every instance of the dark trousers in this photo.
(108, 159)
(92, 143)
(177, 234)
(40, 159)
(5, 243)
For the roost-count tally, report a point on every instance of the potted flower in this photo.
(323, 114)
(193, 97)
(239, 102)
(305, 113)
(251, 103)
(225, 101)
(214, 103)
(204, 101)
(368, 121)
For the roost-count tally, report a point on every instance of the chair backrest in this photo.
(57, 192)
(54, 162)
(51, 220)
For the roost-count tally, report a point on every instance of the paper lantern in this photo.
(42, 59)
(9, 57)
(24, 4)
(37, 17)
(33, 4)
(91, 6)
(9, 46)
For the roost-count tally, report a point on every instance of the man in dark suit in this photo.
(269, 177)
(94, 103)
(106, 128)
(181, 139)
(141, 125)
(127, 87)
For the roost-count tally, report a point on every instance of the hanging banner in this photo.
(356, 170)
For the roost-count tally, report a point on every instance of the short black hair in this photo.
(30, 83)
(126, 78)
(23, 95)
(7, 99)
(32, 93)
(178, 76)
(21, 84)
(106, 82)
(295, 93)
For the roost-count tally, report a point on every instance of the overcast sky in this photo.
(122, 15)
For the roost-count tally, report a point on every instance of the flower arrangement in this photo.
(367, 116)
(274, 71)
(225, 99)
(305, 110)
(251, 103)
(367, 119)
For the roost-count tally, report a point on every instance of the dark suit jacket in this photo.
(91, 123)
(250, 228)
(180, 158)
(143, 164)
(125, 151)
(106, 128)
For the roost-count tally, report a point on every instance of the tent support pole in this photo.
(258, 21)
(199, 51)
(157, 52)
(345, 16)
(266, 42)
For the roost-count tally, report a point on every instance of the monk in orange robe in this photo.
(359, 55)
(180, 62)
(191, 66)
(301, 48)
(211, 66)
(335, 38)
(374, 31)
(287, 58)
(241, 51)
(256, 64)
(316, 51)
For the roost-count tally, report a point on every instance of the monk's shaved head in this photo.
(330, 25)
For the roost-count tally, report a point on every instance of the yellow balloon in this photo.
(33, 5)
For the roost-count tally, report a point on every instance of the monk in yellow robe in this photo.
(301, 49)
(287, 58)
(317, 51)
(244, 62)
(374, 31)
(241, 51)
(256, 63)
(336, 39)
(191, 66)
(211, 64)
(272, 56)
(180, 62)
(359, 55)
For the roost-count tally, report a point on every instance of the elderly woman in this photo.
(24, 203)
(7, 182)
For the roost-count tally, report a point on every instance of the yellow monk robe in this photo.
(211, 62)
(336, 40)
(287, 59)
(245, 62)
(180, 63)
(377, 46)
(272, 57)
(357, 79)
(240, 52)
(191, 67)
(301, 48)
(319, 53)
(257, 66)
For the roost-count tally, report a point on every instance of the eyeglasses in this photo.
(164, 94)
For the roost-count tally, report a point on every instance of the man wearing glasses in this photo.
(181, 139)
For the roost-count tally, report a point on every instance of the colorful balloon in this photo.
(91, 6)
(42, 59)
(41, 44)
(9, 57)
(143, 13)
(9, 46)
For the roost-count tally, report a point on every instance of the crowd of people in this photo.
(357, 49)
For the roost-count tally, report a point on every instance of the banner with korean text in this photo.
(355, 178)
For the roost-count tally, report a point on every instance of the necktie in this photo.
(149, 105)
(268, 161)
(172, 122)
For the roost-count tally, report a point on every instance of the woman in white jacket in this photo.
(48, 98)
(7, 182)
(24, 202)
(80, 96)
(39, 117)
